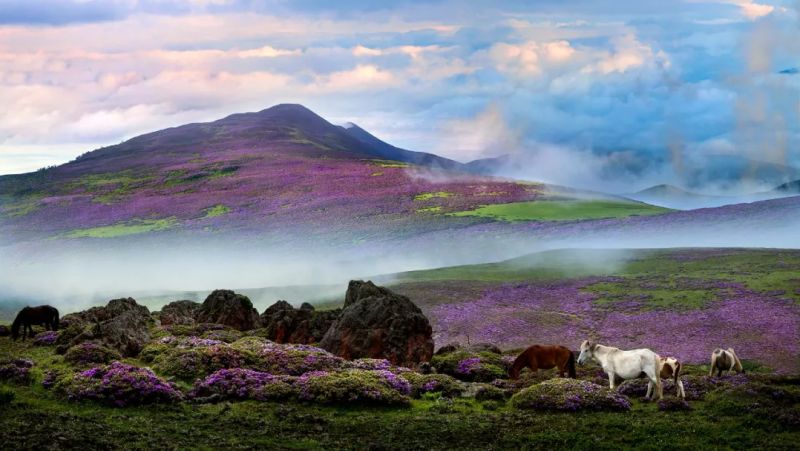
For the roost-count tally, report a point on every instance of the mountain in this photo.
(274, 174)
(671, 196)
(381, 149)
(790, 188)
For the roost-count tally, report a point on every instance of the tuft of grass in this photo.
(133, 227)
(569, 210)
(436, 195)
(429, 210)
(216, 210)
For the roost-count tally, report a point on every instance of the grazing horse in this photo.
(725, 360)
(624, 364)
(670, 369)
(28, 316)
(544, 357)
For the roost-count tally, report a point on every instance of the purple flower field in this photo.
(760, 327)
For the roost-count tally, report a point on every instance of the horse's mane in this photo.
(17, 322)
(519, 362)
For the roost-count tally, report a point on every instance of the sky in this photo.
(617, 93)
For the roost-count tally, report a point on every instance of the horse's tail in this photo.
(571, 365)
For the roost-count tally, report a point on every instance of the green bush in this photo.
(354, 387)
(487, 392)
(88, 353)
(443, 384)
(569, 395)
(470, 366)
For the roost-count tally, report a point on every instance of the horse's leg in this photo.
(649, 389)
(611, 377)
(681, 392)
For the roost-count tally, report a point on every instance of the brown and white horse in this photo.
(725, 360)
(544, 357)
(670, 369)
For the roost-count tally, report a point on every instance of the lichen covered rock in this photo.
(229, 308)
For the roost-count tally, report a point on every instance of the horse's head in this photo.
(15, 329)
(587, 352)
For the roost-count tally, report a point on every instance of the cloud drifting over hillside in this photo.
(664, 83)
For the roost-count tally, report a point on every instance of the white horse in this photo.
(725, 360)
(625, 364)
(670, 369)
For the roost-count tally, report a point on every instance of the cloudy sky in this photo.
(648, 85)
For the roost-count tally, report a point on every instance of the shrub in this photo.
(16, 371)
(119, 385)
(486, 392)
(433, 383)
(354, 387)
(369, 364)
(191, 363)
(88, 353)
(569, 395)
(240, 383)
(471, 367)
(296, 359)
(226, 335)
(47, 338)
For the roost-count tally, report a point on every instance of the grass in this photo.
(429, 210)
(134, 227)
(37, 418)
(216, 210)
(436, 195)
(550, 210)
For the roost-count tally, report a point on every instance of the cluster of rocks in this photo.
(373, 323)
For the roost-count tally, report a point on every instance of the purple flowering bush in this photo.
(443, 384)
(189, 363)
(296, 360)
(569, 395)
(17, 371)
(241, 383)
(471, 367)
(119, 385)
(369, 364)
(379, 387)
(88, 353)
(47, 338)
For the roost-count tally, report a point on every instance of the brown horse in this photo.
(544, 357)
(28, 316)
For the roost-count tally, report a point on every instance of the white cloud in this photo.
(487, 134)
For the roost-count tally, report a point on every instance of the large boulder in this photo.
(285, 324)
(179, 313)
(122, 325)
(229, 308)
(378, 323)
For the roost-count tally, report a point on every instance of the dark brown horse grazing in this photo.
(42, 315)
(545, 357)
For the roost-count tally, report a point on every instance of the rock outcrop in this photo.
(179, 313)
(378, 323)
(122, 325)
(285, 324)
(229, 308)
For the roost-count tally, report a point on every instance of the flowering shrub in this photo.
(467, 366)
(369, 364)
(87, 353)
(51, 378)
(296, 359)
(353, 387)
(119, 385)
(16, 371)
(569, 395)
(226, 335)
(433, 383)
(239, 383)
(189, 363)
(47, 338)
